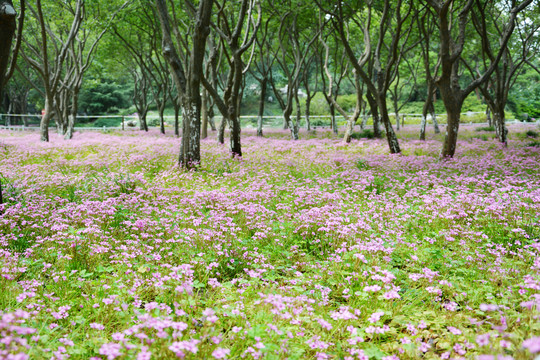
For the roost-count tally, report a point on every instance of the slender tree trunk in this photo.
(375, 115)
(488, 116)
(46, 118)
(391, 137)
(72, 118)
(296, 123)
(161, 117)
(435, 123)
(333, 119)
(221, 131)
(287, 119)
(396, 110)
(204, 115)
(423, 127)
(176, 120)
(261, 107)
(234, 125)
(350, 126)
(211, 119)
(364, 119)
(308, 113)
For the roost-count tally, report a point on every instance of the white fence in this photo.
(131, 122)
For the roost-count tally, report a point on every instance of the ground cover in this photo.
(312, 249)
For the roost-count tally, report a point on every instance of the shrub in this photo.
(532, 134)
(485, 128)
(364, 134)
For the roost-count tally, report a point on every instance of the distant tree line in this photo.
(201, 55)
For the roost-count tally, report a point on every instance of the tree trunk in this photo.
(423, 127)
(350, 126)
(396, 111)
(435, 123)
(296, 123)
(453, 111)
(161, 117)
(7, 29)
(261, 107)
(142, 120)
(204, 115)
(364, 120)
(45, 119)
(176, 119)
(211, 120)
(393, 143)
(72, 117)
(500, 126)
(221, 131)
(488, 116)
(308, 111)
(190, 152)
(235, 146)
(333, 119)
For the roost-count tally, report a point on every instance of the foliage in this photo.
(103, 96)
(311, 249)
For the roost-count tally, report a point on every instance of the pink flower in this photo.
(533, 344)
(483, 340)
(111, 350)
(221, 353)
(325, 324)
(97, 326)
(375, 316)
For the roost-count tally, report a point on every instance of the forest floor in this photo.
(309, 249)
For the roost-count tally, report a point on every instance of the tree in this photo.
(453, 18)
(263, 64)
(8, 26)
(46, 51)
(339, 72)
(515, 56)
(385, 45)
(294, 44)
(426, 27)
(237, 34)
(351, 120)
(139, 32)
(186, 68)
(80, 55)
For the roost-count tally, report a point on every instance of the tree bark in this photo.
(204, 115)
(188, 82)
(45, 120)
(308, 111)
(393, 143)
(453, 112)
(374, 115)
(423, 127)
(221, 130)
(261, 107)
(161, 117)
(8, 17)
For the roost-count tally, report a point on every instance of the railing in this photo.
(131, 122)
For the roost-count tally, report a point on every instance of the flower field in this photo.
(313, 249)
